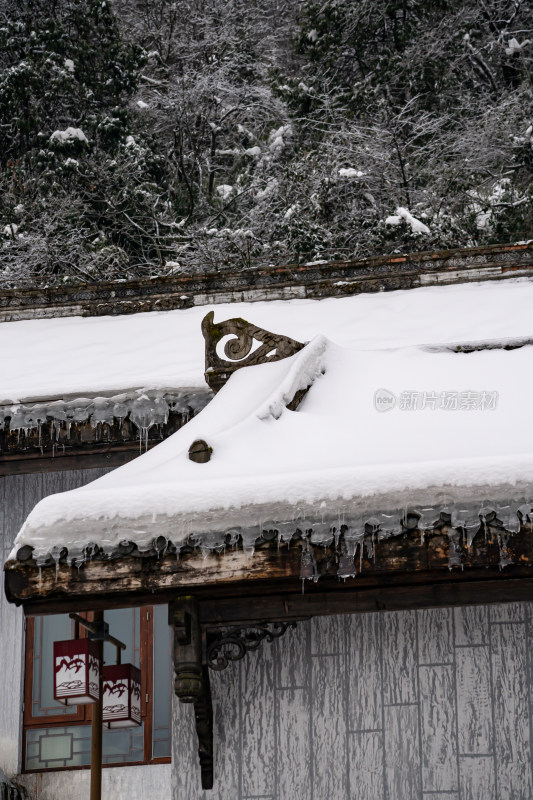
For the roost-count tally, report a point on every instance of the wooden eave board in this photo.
(408, 571)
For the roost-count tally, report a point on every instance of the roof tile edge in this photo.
(333, 279)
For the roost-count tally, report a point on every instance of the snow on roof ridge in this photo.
(308, 365)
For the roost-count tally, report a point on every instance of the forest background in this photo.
(148, 137)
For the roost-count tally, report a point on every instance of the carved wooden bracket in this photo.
(239, 348)
(196, 649)
(232, 644)
(191, 682)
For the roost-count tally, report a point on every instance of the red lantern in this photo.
(122, 696)
(76, 672)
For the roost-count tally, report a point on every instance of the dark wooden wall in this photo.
(410, 705)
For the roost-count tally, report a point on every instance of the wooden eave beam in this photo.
(408, 571)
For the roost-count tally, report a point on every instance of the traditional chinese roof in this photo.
(74, 385)
(383, 430)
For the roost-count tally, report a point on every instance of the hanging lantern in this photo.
(122, 696)
(76, 672)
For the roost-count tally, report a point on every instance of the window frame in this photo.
(83, 713)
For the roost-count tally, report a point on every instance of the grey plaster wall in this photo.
(118, 783)
(18, 495)
(427, 705)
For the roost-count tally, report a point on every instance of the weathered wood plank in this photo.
(474, 704)
(511, 712)
(328, 727)
(17, 495)
(257, 723)
(471, 625)
(185, 766)
(363, 654)
(402, 753)
(294, 755)
(435, 636)
(268, 596)
(400, 657)
(54, 482)
(440, 796)
(30, 463)
(371, 590)
(438, 729)
(33, 492)
(477, 778)
(294, 662)
(327, 636)
(226, 739)
(365, 759)
(226, 690)
(507, 612)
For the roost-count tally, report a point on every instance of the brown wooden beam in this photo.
(27, 463)
(287, 602)
(406, 571)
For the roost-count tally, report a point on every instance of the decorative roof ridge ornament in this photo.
(239, 347)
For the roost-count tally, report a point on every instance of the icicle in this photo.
(371, 545)
(353, 533)
(232, 536)
(57, 552)
(411, 520)
(308, 565)
(454, 552)
(160, 544)
(346, 568)
(525, 512)
(321, 533)
(336, 529)
(427, 520)
(249, 538)
(508, 515)
(41, 562)
(506, 558)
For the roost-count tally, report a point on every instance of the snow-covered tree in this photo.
(145, 136)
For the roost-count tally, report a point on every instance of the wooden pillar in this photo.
(97, 727)
(191, 682)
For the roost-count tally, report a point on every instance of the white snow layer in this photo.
(350, 172)
(337, 454)
(404, 214)
(74, 357)
(68, 135)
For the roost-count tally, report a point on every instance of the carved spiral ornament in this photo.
(232, 644)
(239, 347)
(247, 345)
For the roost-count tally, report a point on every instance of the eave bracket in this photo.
(196, 650)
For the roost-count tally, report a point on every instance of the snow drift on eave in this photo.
(337, 456)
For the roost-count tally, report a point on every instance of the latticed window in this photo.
(59, 737)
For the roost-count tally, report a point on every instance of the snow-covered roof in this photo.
(70, 357)
(394, 418)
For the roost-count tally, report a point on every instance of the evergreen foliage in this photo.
(142, 137)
